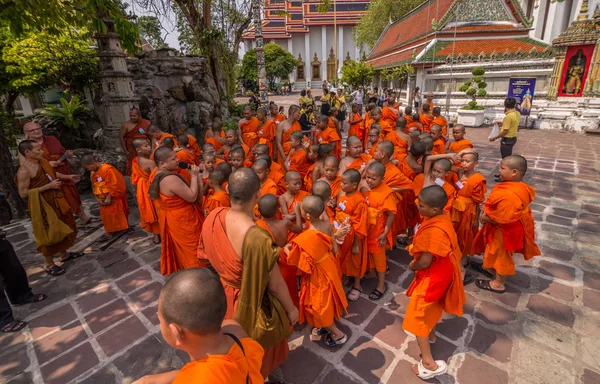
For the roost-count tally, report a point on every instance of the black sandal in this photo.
(468, 279)
(15, 326)
(486, 286)
(377, 295)
(72, 256)
(33, 299)
(479, 268)
(55, 271)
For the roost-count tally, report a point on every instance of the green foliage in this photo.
(464, 87)
(150, 29)
(471, 91)
(187, 42)
(68, 115)
(475, 88)
(357, 73)
(397, 73)
(482, 85)
(279, 63)
(481, 93)
(249, 69)
(377, 17)
(478, 71)
(236, 109)
(478, 79)
(8, 129)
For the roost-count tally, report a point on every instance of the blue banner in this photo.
(522, 89)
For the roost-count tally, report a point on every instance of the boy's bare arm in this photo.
(422, 262)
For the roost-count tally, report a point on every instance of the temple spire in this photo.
(583, 11)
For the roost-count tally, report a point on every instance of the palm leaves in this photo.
(70, 114)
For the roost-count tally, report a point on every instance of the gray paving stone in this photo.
(551, 310)
(473, 370)
(71, 365)
(494, 314)
(538, 365)
(368, 360)
(387, 327)
(302, 373)
(491, 343)
(121, 336)
(13, 364)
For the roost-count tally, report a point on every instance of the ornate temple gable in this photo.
(582, 31)
(484, 11)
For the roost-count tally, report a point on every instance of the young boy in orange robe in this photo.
(170, 143)
(357, 124)
(384, 125)
(439, 145)
(291, 198)
(158, 135)
(322, 298)
(374, 138)
(267, 186)
(219, 197)
(459, 143)
(355, 158)
(231, 141)
(436, 169)
(109, 188)
(236, 158)
(381, 211)
(426, 118)
(277, 177)
(399, 139)
(438, 284)
(322, 189)
(183, 153)
(191, 309)
(333, 121)
(508, 225)
(266, 131)
(440, 120)
(192, 144)
(352, 208)
(215, 135)
(297, 159)
(248, 127)
(325, 134)
(141, 168)
(315, 171)
(208, 149)
(331, 167)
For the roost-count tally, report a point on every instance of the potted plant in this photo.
(473, 114)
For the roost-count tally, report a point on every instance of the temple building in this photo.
(311, 36)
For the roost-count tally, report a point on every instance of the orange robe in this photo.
(59, 204)
(335, 185)
(249, 132)
(389, 115)
(409, 119)
(137, 132)
(464, 211)
(439, 286)
(236, 366)
(266, 135)
(279, 180)
(508, 205)
(107, 180)
(158, 143)
(216, 200)
(188, 157)
(148, 214)
(426, 120)
(406, 169)
(371, 150)
(406, 209)
(299, 162)
(368, 121)
(214, 142)
(418, 183)
(386, 128)
(439, 147)
(442, 122)
(360, 162)
(291, 206)
(330, 136)
(308, 182)
(357, 129)
(353, 208)
(215, 248)
(244, 147)
(415, 124)
(322, 296)
(457, 146)
(285, 141)
(382, 202)
(400, 145)
(193, 145)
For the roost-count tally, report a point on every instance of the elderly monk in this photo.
(109, 188)
(40, 183)
(248, 126)
(245, 257)
(179, 212)
(284, 133)
(53, 151)
(134, 128)
(158, 135)
(141, 168)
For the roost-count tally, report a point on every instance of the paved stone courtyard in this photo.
(99, 323)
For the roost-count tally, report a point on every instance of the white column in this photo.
(556, 27)
(26, 106)
(290, 50)
(307, 59)
(537, 24)
(323, 53)
(341, 55)
(289, 47)
(550, 22)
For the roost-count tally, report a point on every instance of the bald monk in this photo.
(435, 171)
(236, 157)
(245, 257)
(438, 282)
(191, 309)
(429, 100)
(267, 186)
(412, 164)
(231, 141)
(276, 176)
(134, 128)
(460, 142)
(399, 139)
(266, 130)
(325, 134)
(408, 115)
(441, 121)
(54, 151)
(37, 179)
(426, 118)
(183, 153)
(331, 167)
(215, 135)
(508, 225)
(209, 149)
(248, 126)
(297, 159)
(357, 124)
(292, 197)
(439, 145)
(284, 132)
(386, 127)
(109, 188)
(158, 136)
(355, 158)
(389, 112)
(322, 298)
(274, 114)
(315, 171)
(219, 197)
(141, 168)
(192, 143)
(374, 138)
(416, 123)
(180, 214)
(352, 208)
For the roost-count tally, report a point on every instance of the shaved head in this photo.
(268, 206)
(445, 164)
(208, 147)
(474, 155)
(291, 176)
(217, 177)
(85, 160)
(225, 168)
(418, 148)
(351, 140)
(332, 160)
(324, 150)
(28, 145)
(243, 185)
(195, 300)
(231, 132)
(183, 140)
(237, 150)
(259, 149)
(297, 135)
(401, 122)
(162, 154)
(313, 205)
(352, 175)
(434, 196)
(428, 141)
(168, 142)
(386, 147)
(322, 189)
(266, 158)
(436, 128)
(517, 162)
(436, 111)
(137, 143)
(260, 164)
(377, 168)
(426, 107)
(154, 129)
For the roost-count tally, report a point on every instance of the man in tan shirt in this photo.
(510, 127)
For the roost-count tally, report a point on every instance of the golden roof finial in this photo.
(583, 11)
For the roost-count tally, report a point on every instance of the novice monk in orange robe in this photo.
(459, 143)
(158, 136)
(357, 124)
(440, 120)
(438, 282)
(191, 309)
(179, 213)
(266, 130)
(508, 224)
(331, 167)
(192, 144)
(389, 115)
(141, 168)
(382, 208)
(325, 134)
(219, 197)
(322, 298)
(297, 159)
(426, 118)
(315, 171)
(267, 186)
(355, 158)
(291, 198)
(374, 139)
(399, 139)
(215, 136)
(284, 132)
(183, 153)
(436, 169)
(385, 126)
(248, 127)
(108, 186)
(352, 209)
(277, 177)
(439, 145)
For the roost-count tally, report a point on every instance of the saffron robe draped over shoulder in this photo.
(400, 145)
(285, 141)
(245, 281)
(382, 202)
(213, 141)
(357, 129)
(330, 136)
(322, 296)
(236, 366)
(299, 162)
(360, 163)
(308, 179)
(355, 208)
(389, 115)
(335, 185)
(266, 135)
(108, 180)
(405, 208)
(442, 122)
(140, 131)
(193, 145)
(188, 157)
(464, 211)
(457, 146)
(508, 205)
(53, 151)
(148, 216)
(216, 200)
(426, 120)
(439, 286)
(249, 132)
(55, 198)
(439, 147)
(158, 143)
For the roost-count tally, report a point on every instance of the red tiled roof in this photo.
(413, 25)
(488, 46)
(392, 59)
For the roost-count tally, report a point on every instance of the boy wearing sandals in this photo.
(438, 283)
(322, 298)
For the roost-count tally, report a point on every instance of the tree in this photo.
(474, 88)
(377, 17)
(279, 64)
(357, 73)
(399, 73)
(150, 29)
(187, 43)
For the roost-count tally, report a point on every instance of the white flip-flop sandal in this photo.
(426, 374)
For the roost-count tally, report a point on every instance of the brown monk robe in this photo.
(134, 128)
(141, 168)
(37, 180)
(245, 257)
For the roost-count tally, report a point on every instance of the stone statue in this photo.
(575, 71)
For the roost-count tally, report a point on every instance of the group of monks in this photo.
(284, 218)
